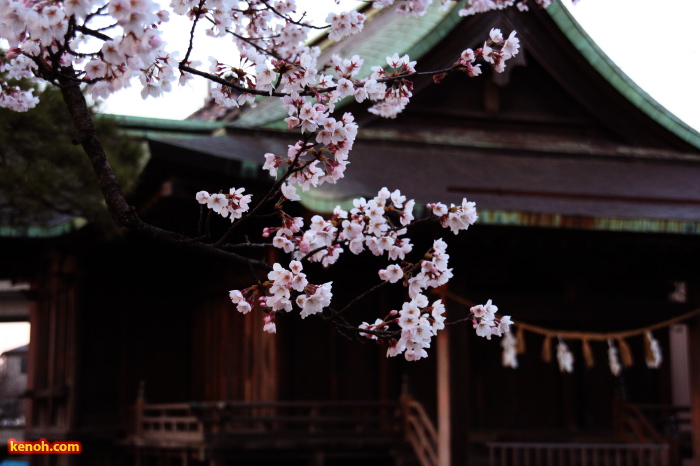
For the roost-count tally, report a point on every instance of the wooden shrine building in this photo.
(589, 221)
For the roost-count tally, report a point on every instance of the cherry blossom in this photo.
(482, 6)
(345, 24)
(392, 274)
(232, 205)
(112, 44)
(486, 323)
(418, 322)
(455, 218)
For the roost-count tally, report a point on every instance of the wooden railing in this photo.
(251, 424)
(235, 424)
(652, 423)
(168, 423)
(577, 454)
(420, 432)
(297, 424)
(668, 420)
(632, 426)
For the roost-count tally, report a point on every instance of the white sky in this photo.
(655, 45)
(13, 334)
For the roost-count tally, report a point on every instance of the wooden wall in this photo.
(53, 351)
(233, 359)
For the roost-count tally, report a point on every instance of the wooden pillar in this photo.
(443, 398)
(694, 350)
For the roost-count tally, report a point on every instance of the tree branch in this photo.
(123, 214)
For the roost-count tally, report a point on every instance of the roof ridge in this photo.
(612, 73)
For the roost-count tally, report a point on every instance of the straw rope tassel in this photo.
(587, 353)
(547, 349)
(625, 353)
(520, 341)
(648, 355)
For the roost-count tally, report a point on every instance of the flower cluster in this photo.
(433, 270)
(482, 6)
(497, 50)
(455, 218)
(311, 166)
(14, 98)
(467, 59)
(418, 323)
(486, 323)
(398, 93)
(375, 225)
(283, 289)
(232, 205)
(344, 24)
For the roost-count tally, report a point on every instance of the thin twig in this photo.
(194, 26)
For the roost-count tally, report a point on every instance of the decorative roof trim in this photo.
(636, 225)
(149, 127)
(540, 220)
(616, 77)
(49, 231)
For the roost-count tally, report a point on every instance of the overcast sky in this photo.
(654, 43)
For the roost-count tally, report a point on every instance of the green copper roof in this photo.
(417, 36)
(49, 231)
(154, 127)
(597, 58)
(635, 225)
